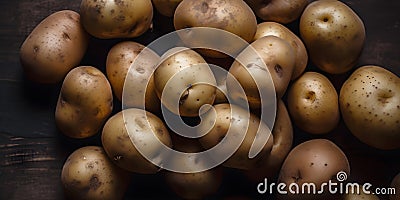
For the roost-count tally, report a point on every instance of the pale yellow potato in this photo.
(89, 174)
(334, 35)
(54, 47)
(107, 19)
(187, 80)
(139, 89)
(278, 30)
(313, 103)
(370, 106)
(135, 125)
(282, 11)
(84, 103)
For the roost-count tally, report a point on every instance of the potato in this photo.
(314, 162)
(187, 80)
(116, 18)
(282, 11)
(279, 58)
(360, 196)
(139, 89)
(84, 103)
(166, 7)
(370, 106)
(283, 138)
(234, 16)
(198, 185)
(278, 30)
(395, 184)
(130, 125)
(54, 47)
(334, 35)
(89, 174)
(238, 121)
(313, 103)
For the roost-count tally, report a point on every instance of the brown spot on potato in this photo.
(184, 97)
(66, 36)
(278, 70)
(36, 49)
(94, 182)
(204, 7)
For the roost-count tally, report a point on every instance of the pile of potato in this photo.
(331, 38)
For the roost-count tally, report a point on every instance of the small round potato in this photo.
(279, 58)
(313, 162)
(313, 103)
(54, 47)
(166, 7)
(229, 117)
(278, 30)
(107, 19)
(121, 60)
(333, 34)
(197, 185)
(89, 174)
(370, 106)
(139, 125)
(84, 103)
(283, 138)
(187, 80)
(282, 11)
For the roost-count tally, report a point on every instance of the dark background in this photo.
(32, 151)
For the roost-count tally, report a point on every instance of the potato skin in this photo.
(282, 11)
(278, 30)
(119, 62)
(84, 103)
(333, 34)
(234, 16)
(55, 46)
(116, 139)
(166, 7)
(370, 106)
(234, 118)
(315, 161)
(283, 139)
(108, 19)
(89, 174)
(313, 103)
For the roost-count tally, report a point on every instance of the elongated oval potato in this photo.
(54, 47)
(333, 34)
(135, 124)
(313, 103)
(187, 80)
(278, 30)
(89, 174)
(84, 103)
(135, 76)
(241, 123)
(283, 139)
(370, 106)
(108, 19)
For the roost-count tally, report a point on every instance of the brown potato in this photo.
(313, 103)
(279, 58)
(370, 106)
(121, 59)
(333, 34)
(89, 174)
(54, 47)
(239, 121)
(166, 7)
(115, 18)
(283, 138)
(314, 162)
(84, 103)
(278, 30)
(139, 125)
(282, 11)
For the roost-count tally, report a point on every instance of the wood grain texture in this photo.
(32, 151)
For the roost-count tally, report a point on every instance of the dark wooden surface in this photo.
(32, 151)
